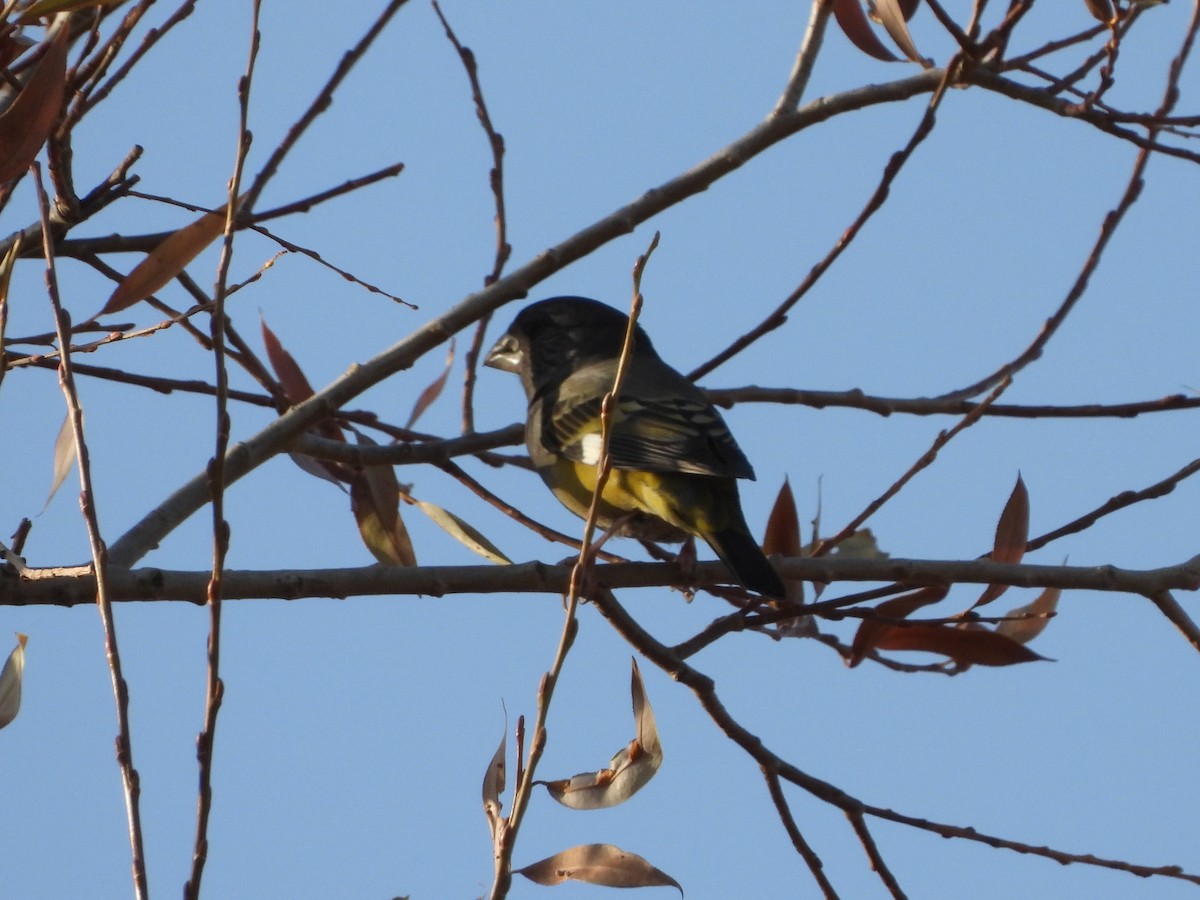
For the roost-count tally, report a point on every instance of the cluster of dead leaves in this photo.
(630, 769)
(855, 18)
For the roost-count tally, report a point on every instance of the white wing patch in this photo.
(589, 448)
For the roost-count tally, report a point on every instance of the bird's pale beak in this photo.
(505, 355)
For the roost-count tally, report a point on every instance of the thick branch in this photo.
(70, 587)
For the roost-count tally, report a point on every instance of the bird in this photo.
(674, 466)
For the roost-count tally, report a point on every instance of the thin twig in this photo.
(87, 503)
(806, 58)
(320, 102)
(859, 824)
(503, 248)
(214, 686)
(802, 846)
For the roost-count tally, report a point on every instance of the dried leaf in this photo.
(64, 458)
(464, 532)
(42, 9)
(1102, 10)
(1038, 613)
(783, 525)
(630, 769)
(893, 19)
(29, 119)
(296, 387)
(10, 682)
(783, 537)
(601, 864)
(434, 390)
(1012, 534)
(493, 783)
(854, 24)
(646, 730)
(966, 646)
(375, 500)
(166, 261)
(871, 631)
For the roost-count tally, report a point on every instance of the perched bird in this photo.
(674, 464)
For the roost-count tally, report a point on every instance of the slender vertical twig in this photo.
(506, 831)
(214, 687)
(87, 503)
(503, 248)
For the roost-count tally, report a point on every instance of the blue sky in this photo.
(355, 733)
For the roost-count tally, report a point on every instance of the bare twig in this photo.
(802, 846)
(806, 58)
(214, 686)
(103, 600)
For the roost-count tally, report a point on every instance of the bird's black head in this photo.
(551, 338)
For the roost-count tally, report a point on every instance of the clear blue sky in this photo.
(355, 734)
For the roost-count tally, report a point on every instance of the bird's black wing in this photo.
(656, 434)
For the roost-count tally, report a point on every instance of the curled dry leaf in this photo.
(375, 500)
(10, 682)
(977, 646)
(464, 532)
(493, 783)
(1028, 621)
(872, 631)
(893, 16)
(855, 25)
(630, 769)
(29, 119)
(1012, 534)
(433, 391)
(601, 864)
(166, 260)
(64, 458)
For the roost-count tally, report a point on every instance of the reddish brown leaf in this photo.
(966, 646)
(783, 537)
(29, 119)
(871, 631)
(166, 261)
(432, 392)
(893, 19)
(783, 525)
(1102, 10)
(601, 864)
(853, 22)
(296, 387)
(1012, 534)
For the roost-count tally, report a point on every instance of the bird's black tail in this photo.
(745, 559)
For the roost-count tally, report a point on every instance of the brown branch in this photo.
(503, 248)
(99, 566)
(778, 316)
(878, 866)
(927, 406)
(214, 687)
(76, 585)
(802, 847)
(320, 102)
